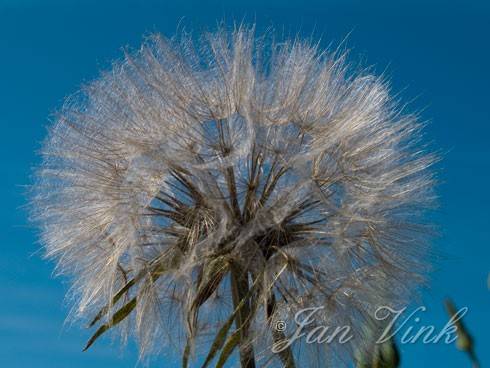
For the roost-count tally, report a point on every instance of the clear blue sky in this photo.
(437, 54)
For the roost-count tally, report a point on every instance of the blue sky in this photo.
(436, 53)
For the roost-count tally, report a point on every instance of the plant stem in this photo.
(239, 288)
(286, 355)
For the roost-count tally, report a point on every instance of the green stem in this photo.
(285, 355)
(239, 288)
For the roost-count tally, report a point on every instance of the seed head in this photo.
(188, 179)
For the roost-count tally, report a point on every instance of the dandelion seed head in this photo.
(184, 161)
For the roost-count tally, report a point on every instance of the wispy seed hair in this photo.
(183, 164)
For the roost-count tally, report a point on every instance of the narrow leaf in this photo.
(220, 338)
(214, 272)
(115, 299)
(230, 345)
(155, 273)
(210, 280)
(116, 318)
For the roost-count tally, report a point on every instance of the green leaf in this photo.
(209, 280)
(220, 338)
(115, 299)
(213, 273)
(230, 345)
(121, 314)
(156, 271)
(464, 340)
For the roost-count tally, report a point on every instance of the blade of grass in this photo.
(230, 345)
(220, 338)
(120, 315)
